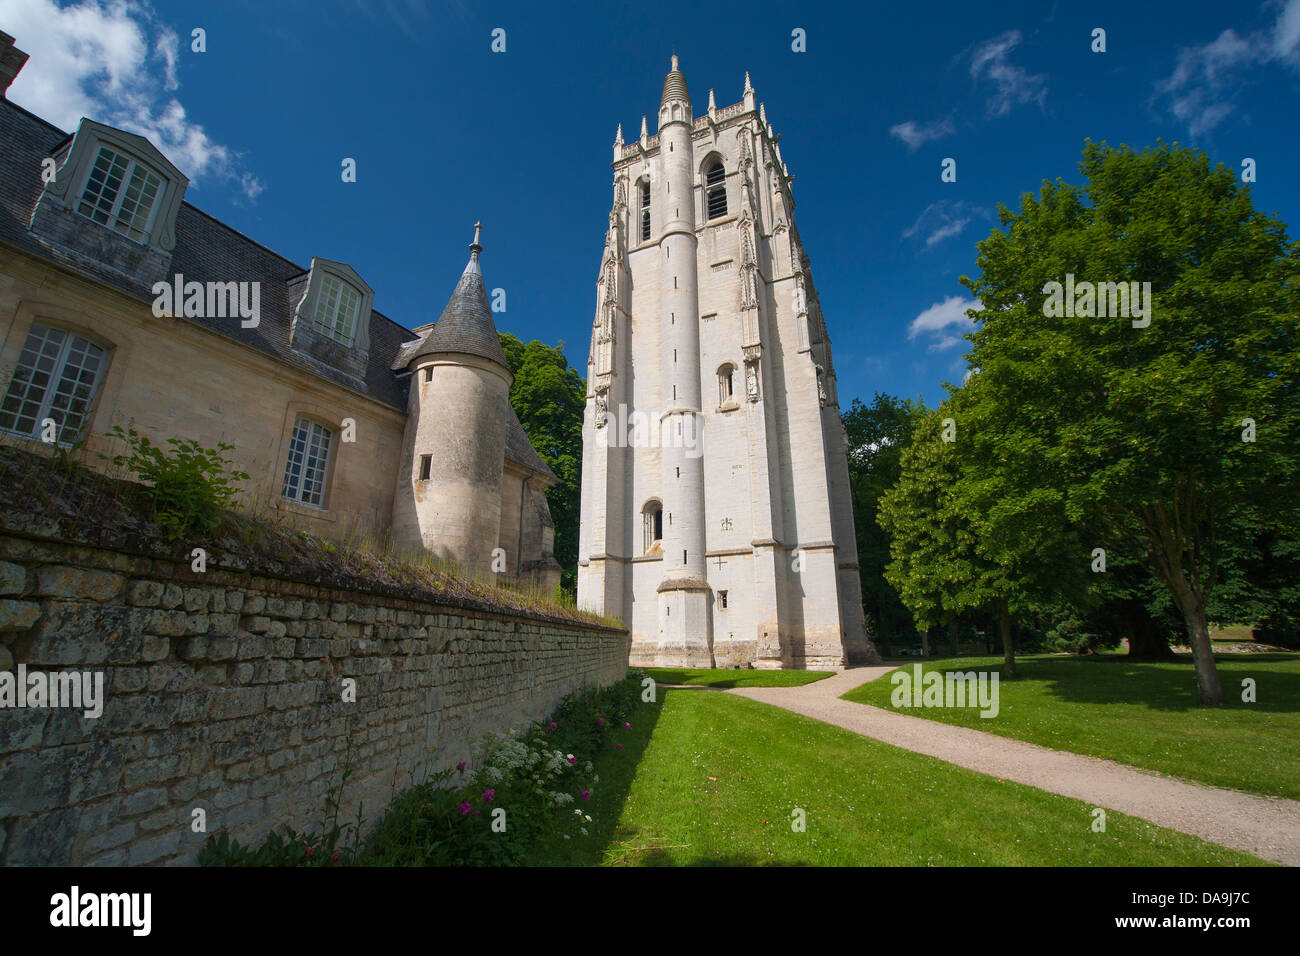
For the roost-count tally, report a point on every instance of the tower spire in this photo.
(474, 249)
(675, 86)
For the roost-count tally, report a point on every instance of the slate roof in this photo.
(209, 250)
(466, 324)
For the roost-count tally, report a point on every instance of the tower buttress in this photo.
(684, 594)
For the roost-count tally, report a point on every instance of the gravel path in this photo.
(1268, 827)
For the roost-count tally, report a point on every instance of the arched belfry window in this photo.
(715, 185)
(653, 519)
(726, 383)
(645, 210)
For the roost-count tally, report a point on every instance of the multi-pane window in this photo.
(716, 190)
(336, 310)
(121, 193)
(645, 211)
(56, 378)
(304, 472)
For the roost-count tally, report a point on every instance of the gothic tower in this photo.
(716, 518)
(449, 481)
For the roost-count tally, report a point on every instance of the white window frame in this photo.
(325, 320)
(115, 220)
(294, 484)
(56, 373)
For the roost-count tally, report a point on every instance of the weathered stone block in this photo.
(13, 578)
(67, 582)
(18, 615)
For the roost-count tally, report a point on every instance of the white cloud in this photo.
(1015, 85)
(110, 61)
(1201, 90)
(942, 220)
(916, 135)
(939, 221)
(944, 323)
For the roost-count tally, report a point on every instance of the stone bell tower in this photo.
(716, 518)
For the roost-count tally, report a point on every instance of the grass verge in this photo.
(1142, 714)
(712, 779)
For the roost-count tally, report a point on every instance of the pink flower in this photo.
(619, 746)
(334, 857)
(600, 721)
(627, 725)
(465, 808)
(586, 794)
(572, 761)
(488, 794)
(552, 725)
(460, 767)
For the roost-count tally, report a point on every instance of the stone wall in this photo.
(223, 690)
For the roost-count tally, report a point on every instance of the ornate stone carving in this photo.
(602, 409)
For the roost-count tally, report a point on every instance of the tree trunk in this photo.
(1208, 689)
(1008, 642)
(952, 636)
(925, 643)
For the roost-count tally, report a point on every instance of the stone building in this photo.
(120, 303)
(716, 518)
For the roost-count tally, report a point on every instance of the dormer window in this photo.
(121, 193)
(331, 321)
(336, 315)
(113, 201)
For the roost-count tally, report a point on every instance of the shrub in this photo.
(542, 779)
(191, 486)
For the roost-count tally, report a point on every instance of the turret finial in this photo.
(474, 246)
(674, 66)
(618, 137)
(748, 86)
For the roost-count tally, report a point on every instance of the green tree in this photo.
(877, 435)
(549, 397)
(1141, 429)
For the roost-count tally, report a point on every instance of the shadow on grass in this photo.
(616, 769)
(616, 843)
(1165, 685)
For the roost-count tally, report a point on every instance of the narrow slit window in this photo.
(426, 467)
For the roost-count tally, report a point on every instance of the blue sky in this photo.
(445, 132)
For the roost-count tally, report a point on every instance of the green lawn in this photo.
(1143, 714)
(717, 677)
(713, 778)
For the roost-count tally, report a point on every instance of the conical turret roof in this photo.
(466, 324)
(675, 85)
